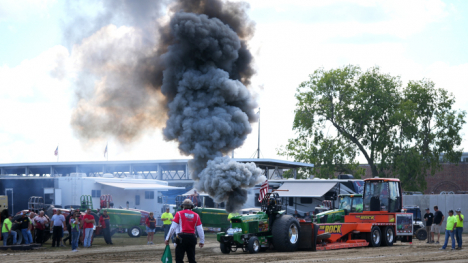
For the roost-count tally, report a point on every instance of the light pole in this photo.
(258, 149)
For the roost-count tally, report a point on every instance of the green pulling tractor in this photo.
(348, 204)
(268, 229)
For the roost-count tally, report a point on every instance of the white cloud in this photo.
(24, 9)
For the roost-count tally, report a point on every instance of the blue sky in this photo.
(414, 39)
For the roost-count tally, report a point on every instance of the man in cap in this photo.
(429, 218)
(6, 230)
(184, 224)
(449, 231)
(167, 220)
(459, 229)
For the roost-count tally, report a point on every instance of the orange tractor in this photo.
(381, 223)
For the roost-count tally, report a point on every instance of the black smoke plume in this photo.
(193, 78)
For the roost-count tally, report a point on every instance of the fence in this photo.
(444, 202)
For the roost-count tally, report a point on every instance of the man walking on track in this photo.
(449, 230)
(186, 221)
(167, 221)
(58, 221)
(429, 218)
(104, 222)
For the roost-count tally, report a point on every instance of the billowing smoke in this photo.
(225, 181)
(193, 78)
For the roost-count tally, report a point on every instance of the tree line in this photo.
(403, 131)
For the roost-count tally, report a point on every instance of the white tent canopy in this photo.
(136, 186)
(294, 189)
(192, 191)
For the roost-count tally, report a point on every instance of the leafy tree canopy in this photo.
(400, 131)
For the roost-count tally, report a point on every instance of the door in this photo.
(9, 194)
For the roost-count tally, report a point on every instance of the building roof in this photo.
(260, 162)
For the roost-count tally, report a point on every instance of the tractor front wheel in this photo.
(286, 233)
(134, 231)
(374, 237)
(388, 236)
(225, 247)
(253, 245)
(421, 234)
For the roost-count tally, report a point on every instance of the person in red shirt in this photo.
(184, 225)
(150, 227)
(88, 228)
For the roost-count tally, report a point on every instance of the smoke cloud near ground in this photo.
(188, 76)
(225, 180)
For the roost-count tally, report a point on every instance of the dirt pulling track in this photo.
(419, 251)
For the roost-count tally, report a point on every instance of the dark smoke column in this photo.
(211, 112)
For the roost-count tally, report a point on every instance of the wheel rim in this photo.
(256, 245)
(135, 232)
(390, 235)
(376, 236)
(293, 234)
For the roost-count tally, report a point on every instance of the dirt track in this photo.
(123, 252)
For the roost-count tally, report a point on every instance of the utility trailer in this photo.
(380, 224)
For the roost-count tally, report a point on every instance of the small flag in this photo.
(56, 151)
(167, 256)
(263, 191)
(105, 151)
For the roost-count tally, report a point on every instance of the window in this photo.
(306, 200)
(345, 203)
(160, 199)
(137, 199)
(96, 193)
(149, 194)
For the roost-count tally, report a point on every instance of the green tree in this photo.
(399, 131)
(431, 138)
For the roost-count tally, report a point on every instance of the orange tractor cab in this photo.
(380, 224)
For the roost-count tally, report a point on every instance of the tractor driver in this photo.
(186, 221)
(231, 215)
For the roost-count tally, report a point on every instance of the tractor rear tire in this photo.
(421, 234)
(388, 236)
(225, 247)
(374, 237)
(134, 232)
(286, 233)
(253, 245)
(19, 237)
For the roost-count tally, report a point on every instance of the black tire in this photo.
(225, 248)
(134, 231)
(19, 237)
(374, 237)
(388, 237)
(113, 231)
(96, 218)
(285, 232)
(254, 245)
(421, 234)
(323, 236)
(50, 211)
(47, 235)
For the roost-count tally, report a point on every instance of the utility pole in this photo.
(258, 149)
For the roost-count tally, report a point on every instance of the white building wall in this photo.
(74, 187)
